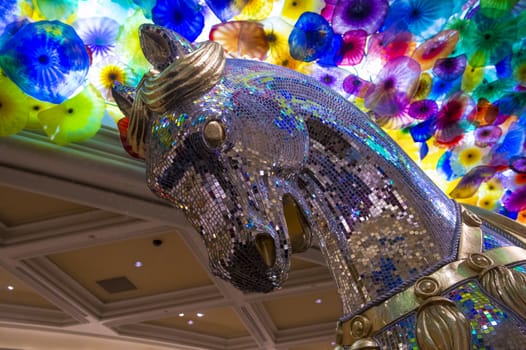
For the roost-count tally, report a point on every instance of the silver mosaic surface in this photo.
(380, 221)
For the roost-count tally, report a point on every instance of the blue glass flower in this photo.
(98, 33)
(310, 38)
(332, 57)
(182, 16)
(46, 59)
(8, 10)
(226, 9)
(359, 14)
(423, 18)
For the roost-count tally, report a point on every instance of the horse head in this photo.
(209, 151)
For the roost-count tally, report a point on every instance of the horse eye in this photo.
(214, 133)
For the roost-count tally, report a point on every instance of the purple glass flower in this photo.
(368, 15)
(332, 77)
(395, 85)
(450, 68)
(98, 33)
(516, 200)
(518, 164)
(487, 135)
(356, 86)
(423, 109)
(353, 47)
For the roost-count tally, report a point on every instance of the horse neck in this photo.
(380, 221)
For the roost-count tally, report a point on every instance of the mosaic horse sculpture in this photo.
(262, 158)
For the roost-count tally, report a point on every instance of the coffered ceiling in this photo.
(88, 255)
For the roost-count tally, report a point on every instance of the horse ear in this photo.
(124, 97)
(162, 46)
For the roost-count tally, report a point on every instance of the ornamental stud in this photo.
(470, 218)
(479, 261)
(360, 327)
(426, 287)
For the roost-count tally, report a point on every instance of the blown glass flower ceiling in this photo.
(447, 80)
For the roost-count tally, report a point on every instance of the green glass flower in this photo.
(487, 41)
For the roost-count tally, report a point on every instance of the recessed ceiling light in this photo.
(181, 314)
(138, 263)
(10, 288)
(199, 314)
(318, 301)
(190, 322)
(333, 343)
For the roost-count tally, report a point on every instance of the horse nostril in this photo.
(298, 227)
(266, 248)
(214, 133)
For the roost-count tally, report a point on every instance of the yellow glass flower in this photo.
(277, 34)
(256, 10)
(293, 9)
(492, 188)
(110, 74)
(470, 157)
(104, 74)
(35, 107)
(76, 119)
(487, 202)
(424, 87)
(14, 112)
(472, 77)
